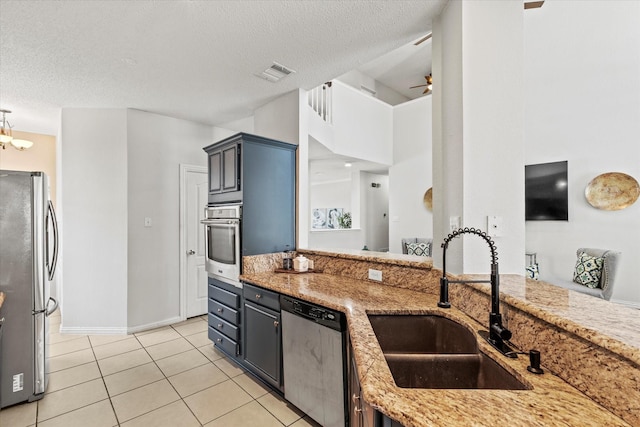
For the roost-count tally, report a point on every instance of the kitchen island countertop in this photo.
(549, 402)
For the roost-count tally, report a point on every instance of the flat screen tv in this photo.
(546, 192)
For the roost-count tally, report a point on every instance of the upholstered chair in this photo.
(607, 278)
(408, 240)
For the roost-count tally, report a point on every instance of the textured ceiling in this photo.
(194, 60)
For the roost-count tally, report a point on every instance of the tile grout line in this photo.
(200, 350)
(211, 362)
(229, 378)
(167, 378)
(83, 382)
(106, 389)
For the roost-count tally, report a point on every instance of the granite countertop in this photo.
(615, 327)
(549, 402)
(403, 260)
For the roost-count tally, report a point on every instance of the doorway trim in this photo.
(184, 169)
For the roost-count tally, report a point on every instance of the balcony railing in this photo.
(320, 101)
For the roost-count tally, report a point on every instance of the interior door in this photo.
(196, 201)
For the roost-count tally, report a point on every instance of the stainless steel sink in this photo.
(429, 351)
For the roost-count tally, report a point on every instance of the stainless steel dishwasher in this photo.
(313, 354)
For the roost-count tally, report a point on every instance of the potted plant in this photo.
(344, 220)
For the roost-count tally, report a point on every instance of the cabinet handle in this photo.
(219, 310)
(219, 340)
(355, 398)
(220, 325)
(357, 411)
(258, 296)
(275, 323)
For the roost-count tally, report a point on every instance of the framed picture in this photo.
(319, 218)
(332, 217)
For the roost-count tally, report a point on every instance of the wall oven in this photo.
(222, 242)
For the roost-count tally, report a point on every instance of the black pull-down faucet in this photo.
(498, 334)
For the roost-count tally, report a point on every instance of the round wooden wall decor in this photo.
(612, 191)
(428, 199)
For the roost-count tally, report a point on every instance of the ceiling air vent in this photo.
(275, 72)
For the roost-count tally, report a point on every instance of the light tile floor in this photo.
(170, 376)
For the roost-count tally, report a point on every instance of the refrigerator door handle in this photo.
(54, 259)
(49, 311)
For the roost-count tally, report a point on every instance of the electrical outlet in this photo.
(454, 223)
(147, 222)
(375, 275)
(494, 226)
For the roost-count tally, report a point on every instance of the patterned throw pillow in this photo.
(588, 270)
(420, 249)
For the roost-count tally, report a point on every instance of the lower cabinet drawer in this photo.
(232, 331)
(226, 313)
(228, 345)
(231, 299)
(261, 296)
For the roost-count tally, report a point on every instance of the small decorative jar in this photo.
(300, 263)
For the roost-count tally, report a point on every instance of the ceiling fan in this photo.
(428, 78)
(428, 86)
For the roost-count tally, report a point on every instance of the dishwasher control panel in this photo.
(319, 314)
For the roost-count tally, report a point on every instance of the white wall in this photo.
(410, 175)
(118, 167)
(333, 194)
(481, 138)
(447, 130)
(93, 160)
(338, 239)
(493, 116)
(362, 125)
(357, 80)
(241, 125)
(278, 119)
(157, 145)
(582, 104)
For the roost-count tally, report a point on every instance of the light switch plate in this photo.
(147, 222)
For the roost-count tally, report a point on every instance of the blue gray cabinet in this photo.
(263, 334)
(224, 171)
(224, 317)
(260, 173)
(361, 413)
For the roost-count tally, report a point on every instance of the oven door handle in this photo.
(220, 221)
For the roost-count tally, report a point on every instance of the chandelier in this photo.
(6, 136)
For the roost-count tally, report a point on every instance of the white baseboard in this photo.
(75, 330)
(153, 325)
(629, 304)
(117, 331)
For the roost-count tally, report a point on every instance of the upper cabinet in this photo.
(231, 168)
(259, 173)
(224, 170)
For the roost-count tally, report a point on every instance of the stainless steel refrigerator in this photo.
(28, 255)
